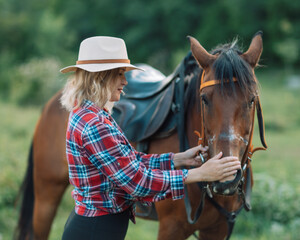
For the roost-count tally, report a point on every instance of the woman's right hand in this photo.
(214, 169)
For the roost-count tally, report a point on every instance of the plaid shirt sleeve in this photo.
(111, 153)
(157, 161)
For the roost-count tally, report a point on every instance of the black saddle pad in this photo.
(146, 109)
(141, 118)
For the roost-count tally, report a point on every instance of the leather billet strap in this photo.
(103, 61)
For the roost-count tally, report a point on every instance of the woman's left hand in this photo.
(190, 157)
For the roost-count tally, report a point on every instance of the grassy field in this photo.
(276, 194)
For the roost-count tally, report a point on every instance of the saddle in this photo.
(147, 102)
(151, 107)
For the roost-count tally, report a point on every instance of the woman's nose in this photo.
(124, 81)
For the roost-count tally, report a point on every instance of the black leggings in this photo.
(107, 227)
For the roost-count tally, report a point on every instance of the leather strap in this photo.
(248, 190)
(210, 82)
(230, 216)
(103, 61)
(188, 207)
(261, 123)
(184, 145)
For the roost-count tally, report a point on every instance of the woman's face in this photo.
(117, 87)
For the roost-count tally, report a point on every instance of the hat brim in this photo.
(99, 67)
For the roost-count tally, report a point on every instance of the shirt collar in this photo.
(88, 104)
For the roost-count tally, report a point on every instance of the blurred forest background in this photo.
(38, 37)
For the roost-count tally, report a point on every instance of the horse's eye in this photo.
(204, 99)
(251, 102)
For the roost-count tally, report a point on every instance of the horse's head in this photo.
(228, 95)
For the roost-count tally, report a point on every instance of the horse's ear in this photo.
(252, 55)
(204, 58)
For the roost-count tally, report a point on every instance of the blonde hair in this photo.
(93, 86)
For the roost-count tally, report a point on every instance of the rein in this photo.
(230, 216)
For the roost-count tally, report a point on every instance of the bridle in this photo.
(250, 148)
(246, 166)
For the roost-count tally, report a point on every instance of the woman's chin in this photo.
(114, 98)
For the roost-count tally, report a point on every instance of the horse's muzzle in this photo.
(228, 187)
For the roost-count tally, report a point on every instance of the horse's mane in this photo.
(227, 66)
(191, 73)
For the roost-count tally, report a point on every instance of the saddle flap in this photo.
(144, 84)
(141, 118)
(124, 106)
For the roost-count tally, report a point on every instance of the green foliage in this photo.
(17, 126)
(275, 211)
(36, 81)
(275, 201)
(155, 31)
(288, 50)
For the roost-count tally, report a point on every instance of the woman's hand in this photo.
(214, 169)
(190, 157)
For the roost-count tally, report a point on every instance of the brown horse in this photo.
(223, 113)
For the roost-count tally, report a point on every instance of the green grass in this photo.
(274, 214)
(281, 107)
(17, 126)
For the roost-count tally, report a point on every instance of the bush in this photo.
(275, 201)
(275, 212)
(36, 81)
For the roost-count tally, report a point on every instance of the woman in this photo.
(107, 173)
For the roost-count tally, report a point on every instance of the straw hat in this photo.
(101, 53)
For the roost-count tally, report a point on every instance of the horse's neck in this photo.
(193, 114)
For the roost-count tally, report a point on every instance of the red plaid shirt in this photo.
(107, 173)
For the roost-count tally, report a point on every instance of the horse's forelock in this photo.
(229, 65)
